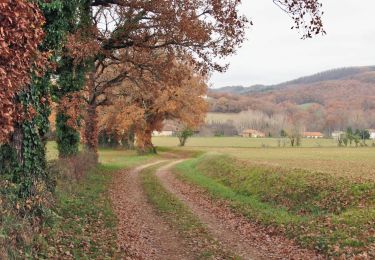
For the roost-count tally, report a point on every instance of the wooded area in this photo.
(118, 67)
(325, 102)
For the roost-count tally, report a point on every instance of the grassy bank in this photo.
(181, 218)
(84, 218)
(332, 214)
(86, 225)
(77, 220)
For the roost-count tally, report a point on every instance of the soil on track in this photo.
(234, 231)
(143, 234)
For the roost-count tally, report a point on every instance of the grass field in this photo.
(238, 142)
(114, 159)
(349, 161)
(327, 212)
(356, 163)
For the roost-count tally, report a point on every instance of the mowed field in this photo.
(316, 155)
(240, 142)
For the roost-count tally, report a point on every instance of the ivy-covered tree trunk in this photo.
(28, 140)
(72, 78)
(67, 138)
(27, 148)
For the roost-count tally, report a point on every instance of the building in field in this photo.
(337, 134)
(313, 135)
(251, 133)
(169, 129)
(372, 133)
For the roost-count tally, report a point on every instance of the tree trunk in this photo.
(182, 140)
(91, 130)
(128, 139)
(17, 144)
(67, 138)
(131, 138)
(144, 141)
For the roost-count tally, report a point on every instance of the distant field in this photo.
(317, 155)
(239, 142)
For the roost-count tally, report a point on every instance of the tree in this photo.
(175, 92)
(32, 98)
(350, 135)
(180, 96)
(206, 30)
(117, 121)
(20, 36)
(295, 135)
(363, 135)
(283, 133)
(183, 135)
(306, 15)
(75, 62)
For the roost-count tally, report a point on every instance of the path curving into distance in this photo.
(143, 234)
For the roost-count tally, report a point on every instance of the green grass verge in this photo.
(180, 217)
(84, 226)
(333, 215)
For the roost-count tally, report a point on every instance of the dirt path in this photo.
(142, 234)
(234, 231)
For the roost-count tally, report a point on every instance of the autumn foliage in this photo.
(325, 102)
(176, 94)
(21, 33)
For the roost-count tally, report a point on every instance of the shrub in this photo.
(22, 220)
(73, 168)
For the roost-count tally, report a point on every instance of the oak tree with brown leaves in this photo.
(128, 32)
(177, 93)
(207, 30)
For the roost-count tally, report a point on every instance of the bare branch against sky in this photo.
(275, 53)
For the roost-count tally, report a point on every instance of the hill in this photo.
(325, 101)
(334, 74)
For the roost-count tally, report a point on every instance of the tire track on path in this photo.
(232, 230)
(142, 234)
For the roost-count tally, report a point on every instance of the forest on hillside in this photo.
(325, 102)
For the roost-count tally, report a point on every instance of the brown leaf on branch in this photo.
(21, 33)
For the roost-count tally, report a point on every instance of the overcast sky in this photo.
(274, 53)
